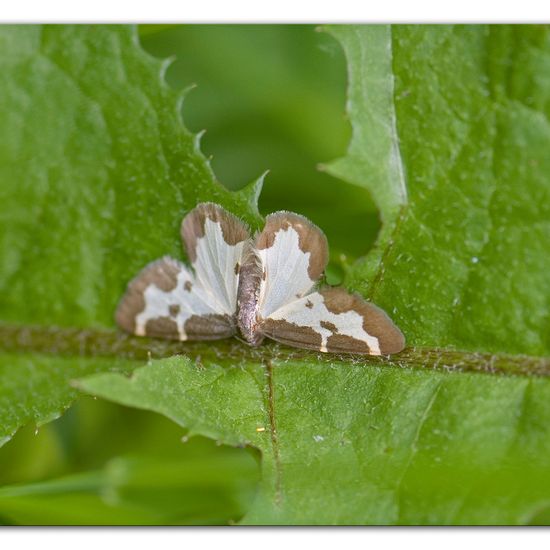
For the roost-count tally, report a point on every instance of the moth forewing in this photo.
(194, 227)
(162, 274)
(294, 254)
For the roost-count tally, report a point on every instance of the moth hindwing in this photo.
(263, 287)
(333, 320)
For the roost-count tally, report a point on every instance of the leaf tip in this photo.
(5, 438)
(251, 193)
(197, 140)
(165, 64)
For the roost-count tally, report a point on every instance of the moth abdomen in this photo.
(248, 295)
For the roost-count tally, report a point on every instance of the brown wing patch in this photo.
(375, 321)
(329, 326)
(209, 327)
(197, 327)
(163, 273)
(340, 343)
(163, 327)
(291, 334)
(192, 227)
(311, 239)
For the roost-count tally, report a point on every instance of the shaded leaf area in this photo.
(35, 388)
(136, 491)
(347, 444)
(105, 464)
(461, 116)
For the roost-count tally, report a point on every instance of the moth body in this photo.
(248, 295)
(261, 286)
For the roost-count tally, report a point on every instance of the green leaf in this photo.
(373, 159)
(89, 467)
(96, 171)
(36, 388)
(459, 113)
(353, 443)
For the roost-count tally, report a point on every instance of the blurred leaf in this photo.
(137, 491)
(88, 467)
(272, 97)
(32, 454)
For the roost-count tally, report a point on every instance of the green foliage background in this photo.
(446, 143)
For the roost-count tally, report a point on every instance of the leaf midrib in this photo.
(72, 341)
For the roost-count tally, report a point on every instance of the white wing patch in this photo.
(215, 267)
(286, 272)
(311, 312)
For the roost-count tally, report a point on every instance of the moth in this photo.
(259, 287)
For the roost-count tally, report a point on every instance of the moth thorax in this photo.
(250, 278)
